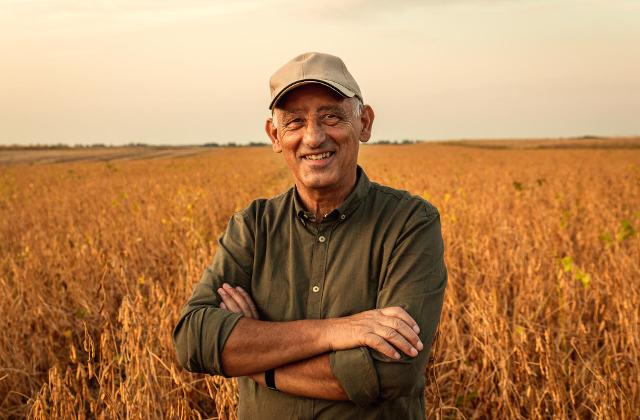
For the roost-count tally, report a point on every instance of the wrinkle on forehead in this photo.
(297, 111)
(339, 104)
(346, 107)
(343, 107)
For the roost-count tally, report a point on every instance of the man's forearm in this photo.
(311, 378)
(255, 346)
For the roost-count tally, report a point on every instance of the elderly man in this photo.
(324, 300)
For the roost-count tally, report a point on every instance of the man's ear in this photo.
(366, 119)
(272, 132)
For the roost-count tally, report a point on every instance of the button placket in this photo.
(319, 261)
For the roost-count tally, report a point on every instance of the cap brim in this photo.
(337, 87)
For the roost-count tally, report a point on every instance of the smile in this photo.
(319, 156)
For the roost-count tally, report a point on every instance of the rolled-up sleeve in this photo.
(203, 327)
(355, 370)
(415, 279)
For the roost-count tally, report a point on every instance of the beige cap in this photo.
(313, 67)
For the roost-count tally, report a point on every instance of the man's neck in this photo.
(323, 202)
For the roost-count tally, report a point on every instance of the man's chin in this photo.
(318, 181)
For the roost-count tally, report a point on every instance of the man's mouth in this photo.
(319, 156)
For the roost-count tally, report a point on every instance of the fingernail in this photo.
(226, 286)
(416, 329)
(420, 345)
(239, 288)
(396, 355)
(414, 351)
(221, 291)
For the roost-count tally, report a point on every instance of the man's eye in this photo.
(294, 122)
(331, 118)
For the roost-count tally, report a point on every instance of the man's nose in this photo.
(314, 134)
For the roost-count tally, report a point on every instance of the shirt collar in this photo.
(347, 207)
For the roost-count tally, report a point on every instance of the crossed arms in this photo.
(299, 349)
(349, 358)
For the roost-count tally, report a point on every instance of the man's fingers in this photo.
(396, 339)
(378, 343)
(396, 328)
(398, 312)
(404, 330)
(229, 302)
(239, 300)
(249, 301)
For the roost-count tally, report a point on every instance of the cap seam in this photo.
(344, 68)
(306, 56)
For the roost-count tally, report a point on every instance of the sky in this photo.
(197, 71)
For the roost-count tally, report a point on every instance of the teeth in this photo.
(319, 156)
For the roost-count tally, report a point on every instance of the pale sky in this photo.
(196, 71)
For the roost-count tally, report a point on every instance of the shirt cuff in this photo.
(355, 371)
(215, 332)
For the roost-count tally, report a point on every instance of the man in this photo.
(324, 300)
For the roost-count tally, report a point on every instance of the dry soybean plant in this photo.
(541, 317)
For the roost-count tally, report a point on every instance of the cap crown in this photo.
(313, 67)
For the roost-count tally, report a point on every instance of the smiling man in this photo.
(324, 300)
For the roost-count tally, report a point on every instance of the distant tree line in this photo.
(215, 144)
(405, 141)
(234, 144)
(58, 146)
(208, 144)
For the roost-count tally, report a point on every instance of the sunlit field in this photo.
(541, 315)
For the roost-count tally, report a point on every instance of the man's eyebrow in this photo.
(287, 113)
(334, 108)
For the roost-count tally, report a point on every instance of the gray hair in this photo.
(357, 106)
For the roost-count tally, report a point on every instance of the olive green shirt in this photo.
(382, 247)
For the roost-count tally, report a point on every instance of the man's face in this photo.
(318, 134)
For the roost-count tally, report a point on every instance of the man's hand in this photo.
(237, 300)
(378, 329)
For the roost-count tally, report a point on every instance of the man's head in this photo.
(318, 120)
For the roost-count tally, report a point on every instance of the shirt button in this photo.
(322, 239)
(343, 216)
(315, 289)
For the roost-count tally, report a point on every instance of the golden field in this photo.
(541, 316)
